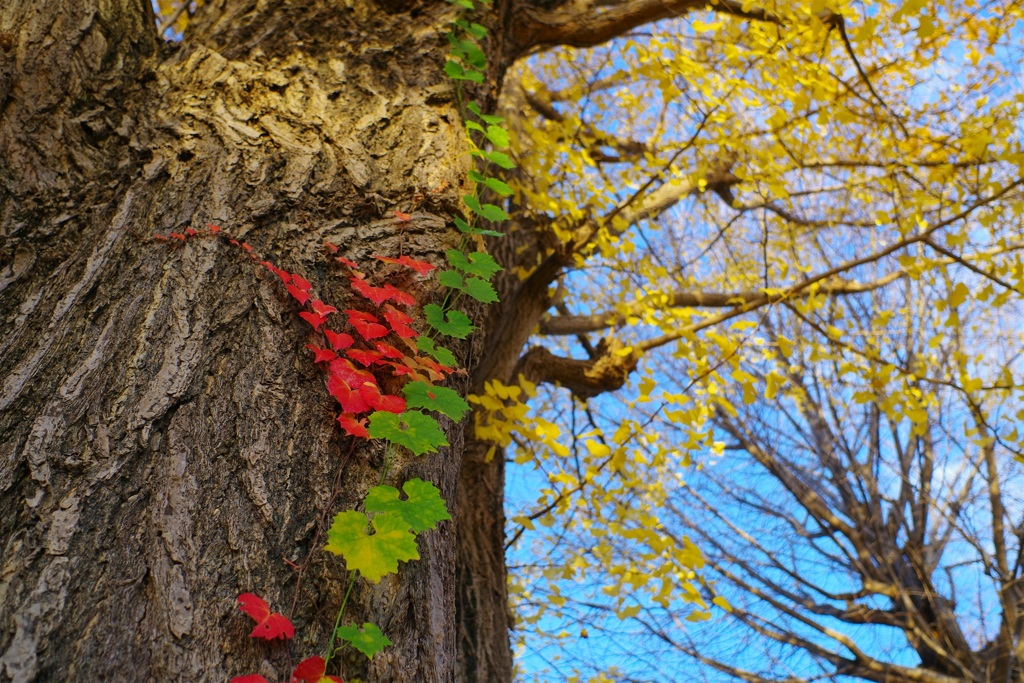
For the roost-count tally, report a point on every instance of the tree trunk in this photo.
(165, 442)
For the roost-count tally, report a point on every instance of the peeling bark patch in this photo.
(62, 528)
(34, 620)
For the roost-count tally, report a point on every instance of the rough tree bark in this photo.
(165, 443)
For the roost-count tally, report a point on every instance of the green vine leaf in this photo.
(465, 227)
(374, 555)
(500, 188)
(479, 263)
(440, 353)
(491, 212)
(413, 429)
(441, 399)
(454, 323)
(498, 136)
(499, 158)
(479, 289)
(486, 118)
(422, 510)
(457, 72)
(370, 640)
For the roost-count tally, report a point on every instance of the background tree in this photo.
(161, 452)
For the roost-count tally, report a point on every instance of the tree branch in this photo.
(586, 23)
(579, 324)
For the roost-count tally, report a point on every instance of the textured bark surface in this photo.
(165, 443)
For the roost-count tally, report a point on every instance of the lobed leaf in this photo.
(422, 509)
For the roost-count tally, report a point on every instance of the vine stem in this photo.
(337, 622)
(387, 462)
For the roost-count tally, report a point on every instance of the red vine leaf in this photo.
(343, 369)
(299, 294)
(399, 322)
(301, 282)
(177, 236)
(363, 356)
(366, 324)
(191, 232)
(214, 229)
(346, 262)
(403, 217)
(269, 625)
(251, 678)
(386, 402)
(159, 238)
(421, 267)
(285, 276)
(311, 670)
(313, 319)
(333, 248)
(351, 401)
(389, 351)
(399, 296)
(320, 308)
(339, 341)
(377, 295)
(247, 247)
(321, 355)
(352, 426)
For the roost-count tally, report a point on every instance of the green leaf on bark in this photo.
(479, 263)
(490, 212)
(454, 323)
(413, 429)
(465, 227)
(370, 640)
(372, 555)
(441, 354)
(441, 399)
(422, 509)
(498, 136)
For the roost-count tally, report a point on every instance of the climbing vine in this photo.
(389, 339)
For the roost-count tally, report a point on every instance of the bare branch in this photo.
(586, 23)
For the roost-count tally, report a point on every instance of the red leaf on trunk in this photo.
(285, 276)
(301, 282)
(333, 248)
(403, 217)
(389, 351)
(392, 404)
(321, 355)
(363, 356)
(352, 426)
(299, 294)
(345, 262)
(191, 232)
(377, 295)
(350, 374)
(366, 324)
(421, 267)
(251, 678)
(351, 401)
(214, 229)
(269, 625)
(313, 319)
(399, 296)
(321, 308)
(339, 341)
(311, 670)
(399, 322)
